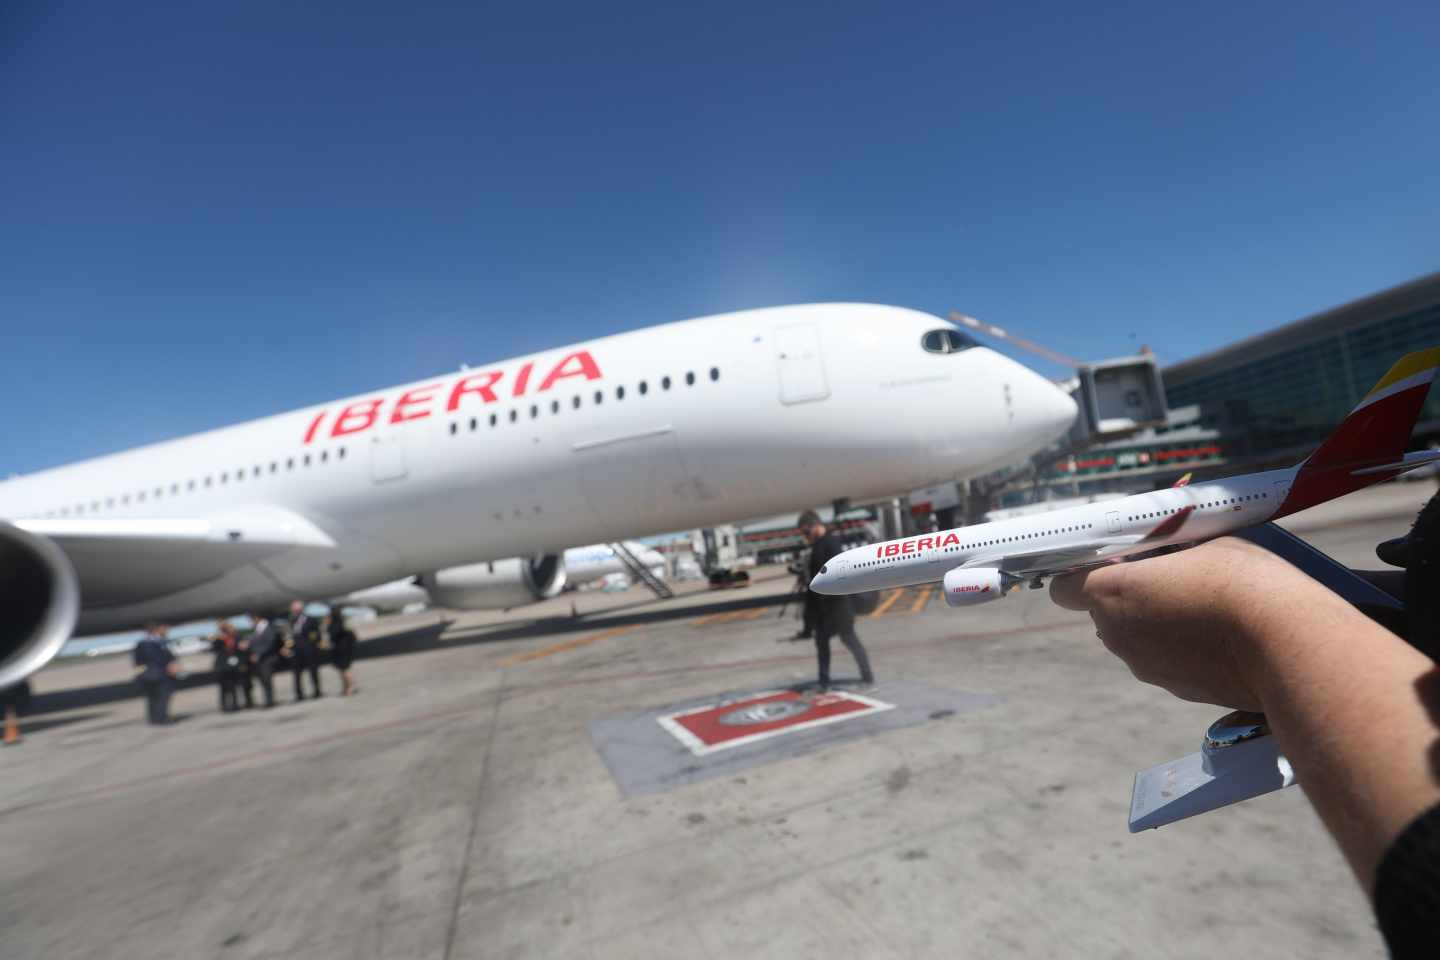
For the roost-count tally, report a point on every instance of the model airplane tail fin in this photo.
(1375, 434)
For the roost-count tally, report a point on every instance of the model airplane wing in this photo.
(1051, 560)
(133, 559)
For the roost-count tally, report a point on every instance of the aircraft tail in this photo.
(1369, 445)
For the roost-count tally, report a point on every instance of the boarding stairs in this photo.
(638, 571)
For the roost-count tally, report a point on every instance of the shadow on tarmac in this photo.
(428, 637)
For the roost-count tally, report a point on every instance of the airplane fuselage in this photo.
(681, 425)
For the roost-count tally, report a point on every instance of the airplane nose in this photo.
(1047, 410)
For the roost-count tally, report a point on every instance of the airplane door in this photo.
(1282, 490)
(801, 364)
(387, 457)
(1112, 521)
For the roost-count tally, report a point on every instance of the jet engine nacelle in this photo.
(967, 587)
(496, 586)
(42, 601)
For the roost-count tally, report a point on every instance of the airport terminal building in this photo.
(1272, 398)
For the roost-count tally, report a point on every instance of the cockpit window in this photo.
(946, 341)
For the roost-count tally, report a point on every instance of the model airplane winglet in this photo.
(981, 563)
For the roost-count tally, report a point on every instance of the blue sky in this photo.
(215, 212)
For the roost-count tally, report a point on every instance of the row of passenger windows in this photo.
(1223, 502)
(578, 400)
(979, 543)
(223, 478)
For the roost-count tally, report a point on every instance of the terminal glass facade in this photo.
(1282, 402)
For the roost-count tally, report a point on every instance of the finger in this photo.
(1068, 591)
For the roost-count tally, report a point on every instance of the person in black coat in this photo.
(342, 649)
(155, 669)
(264, 649)
(303, 649)
(830, 615)
(229, 659)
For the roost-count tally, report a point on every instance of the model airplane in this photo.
(677, 426)
(985, 562)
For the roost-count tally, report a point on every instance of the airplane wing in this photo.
(1048, 561)
(125, 560)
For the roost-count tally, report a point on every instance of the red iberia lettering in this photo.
(577, 364)
(357, 417)
(891, 549)
(522, 380)
(480, 384)
(950, 538)
(410, 405)
(880, 550)
(909, 547)
(923, 543)
(314, 425)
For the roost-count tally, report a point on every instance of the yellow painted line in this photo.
(729, 616)
(887, 603)
(562, 647)
(923, 599)
(714, 618)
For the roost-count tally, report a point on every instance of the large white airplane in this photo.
(984, 562)
(671, 427)
(472, 586)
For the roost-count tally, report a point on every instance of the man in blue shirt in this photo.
(155, 669)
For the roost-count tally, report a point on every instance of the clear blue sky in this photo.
(211, 212)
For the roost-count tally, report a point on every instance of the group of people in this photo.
(298, 643)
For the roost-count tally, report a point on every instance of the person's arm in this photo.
(1354, 708)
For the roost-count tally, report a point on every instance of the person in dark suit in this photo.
(155, 670)
(228, 665)
(830, 615)
(303, 648)
(264, 655)
(342, 649)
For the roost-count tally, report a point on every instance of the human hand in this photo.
(1196, 622)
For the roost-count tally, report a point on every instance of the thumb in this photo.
(1068, 590)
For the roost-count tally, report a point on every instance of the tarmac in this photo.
(508, 785)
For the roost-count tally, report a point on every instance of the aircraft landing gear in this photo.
(1037, 584)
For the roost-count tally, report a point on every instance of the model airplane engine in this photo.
(499, 585)
(965, 588)
(42, 597)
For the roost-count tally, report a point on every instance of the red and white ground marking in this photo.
(761, 716)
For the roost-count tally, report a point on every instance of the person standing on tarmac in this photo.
(264, 653)
(155, 669)
(304, 648)
(342, 649)
(228, 659)
(830, 615)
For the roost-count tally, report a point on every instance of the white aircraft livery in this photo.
(983, 562)
(676, 426)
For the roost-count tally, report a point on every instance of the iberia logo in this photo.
(485, 387)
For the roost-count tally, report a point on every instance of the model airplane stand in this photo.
(1239, 758)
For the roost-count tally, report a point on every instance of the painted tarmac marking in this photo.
(562, 647)
(923, 599)
(704, 730)
(730, 616)
(887, 603)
